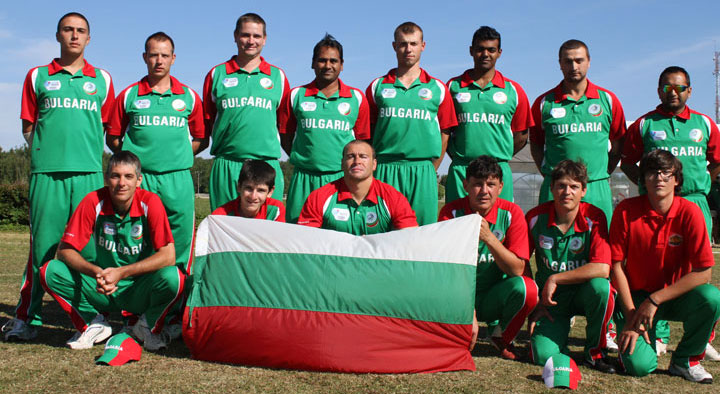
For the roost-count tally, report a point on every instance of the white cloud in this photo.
(33, 51)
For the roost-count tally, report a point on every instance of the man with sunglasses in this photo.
(691, 136)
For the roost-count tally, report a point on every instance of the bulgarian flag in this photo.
(286, 296)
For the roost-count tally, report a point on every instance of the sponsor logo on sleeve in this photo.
(266, 83)
(557, 112)
(136, 231)
(658, 135)
(545, 242)
(142, 104)
(53, 85)
(595, 110)
(463, 97)
(179, 105)
(425, 94)
(388, 93)
(500, 97)
(344, 109)
(90, 88)
(341, 214)
(230, 82)
(696, 135)
(308, 106)
(675, 240)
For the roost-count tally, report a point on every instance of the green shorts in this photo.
(302, 184)
(417, 181)
(224, 176)
(454, 189)
(598, 194)
(701, 201)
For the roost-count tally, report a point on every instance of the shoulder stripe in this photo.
(375, 85)
(327, 203)
(144, 206)
(533, 220)
(282, 81)
(293, 94)
(33, 78)
(108, 82)
(98, 208)
(442, 88)
(358, 96)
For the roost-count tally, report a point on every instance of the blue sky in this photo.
(630, 42)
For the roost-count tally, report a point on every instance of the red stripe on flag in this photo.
(323, 341)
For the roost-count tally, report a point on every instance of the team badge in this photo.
(595, 110)
(388, 93)
(545, 242)
(179, 105)
(142, 104)
(371, 219)
(675, 240)
(267, 83)
(498, 234)
(136, 231)
(463, 97)
(308, 106)
(500, 97)
(344, 109)
(230, 82)
(658, 135)
(90, 88)
(576, 245)
(557, 112)
(425, 94)
(109, 228)
(341, 214)
(696, 135)
(53, 85)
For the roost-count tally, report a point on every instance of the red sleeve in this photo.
(537, 133)
(284, 100)
(311, 214)
(158, 221)
(522, 118)
(446, 213)
(619, 236)
(196, 123)
(618, 126)
(362, 123)
(287, 123)
(713, 147)
(118, 119)
(633, 146)
(599, 246)
(82, 222)
(28, 105)
(697, 250)
(209, 109)
(108, 105)
(281, 211)
(401, 213)
(372, 105)
(516, 236)
(229, 208)
(446, 112)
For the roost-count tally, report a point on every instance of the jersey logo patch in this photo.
(371, 219)
(142, 104)
(500, 97)
(576, 245)
(136, 231)
(341, 214)
(545, 242)
(463, 97)
(388, 93)
(53, 85)
(696, 135)
(109, 228)
(308, 106)
(230, 82)
(344, 109)
(557, 113)
(179, 105)
(425, 94)
(266, 83)
(658, 135)
(595, 110)
(499, 235)
(675, 240)
(90, 88)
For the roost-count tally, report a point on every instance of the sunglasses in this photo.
(663, 175)
(677, 88)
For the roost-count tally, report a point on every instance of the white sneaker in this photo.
(711, 354)
(150, 341)
(610, 341)
(696, 373)
(660, 347)
(98, 331)
(17, 330)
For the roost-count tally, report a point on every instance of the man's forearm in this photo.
(163, 257)
(682, 286)
(68, 255)
(583, 274)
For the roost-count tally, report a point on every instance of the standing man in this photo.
(411, 115)
(318, 121)
(501, 291)
(578, 120)
(662, 263)
(64, 107)
(572, 255)
(160, 120)
(241, 99)
(358, 203)
(493, 116)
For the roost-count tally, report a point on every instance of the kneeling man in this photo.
(662, 263)
(501, 290)
(572, 255)
(129, 262)
(358, 203)
(255, 185)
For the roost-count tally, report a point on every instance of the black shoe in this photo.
(600, 364)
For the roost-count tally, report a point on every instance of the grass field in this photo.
(45, 365)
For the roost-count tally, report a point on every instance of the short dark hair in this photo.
(575, 170)
(485, 33)
(327, 42)
(673, 70)
(484, 167)
(354, 142)
(123, 157)
(258, 172)
(573, 44)
(250, 17)
(408, 28)
(661, 160)
(160, 36)
(69, 14)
